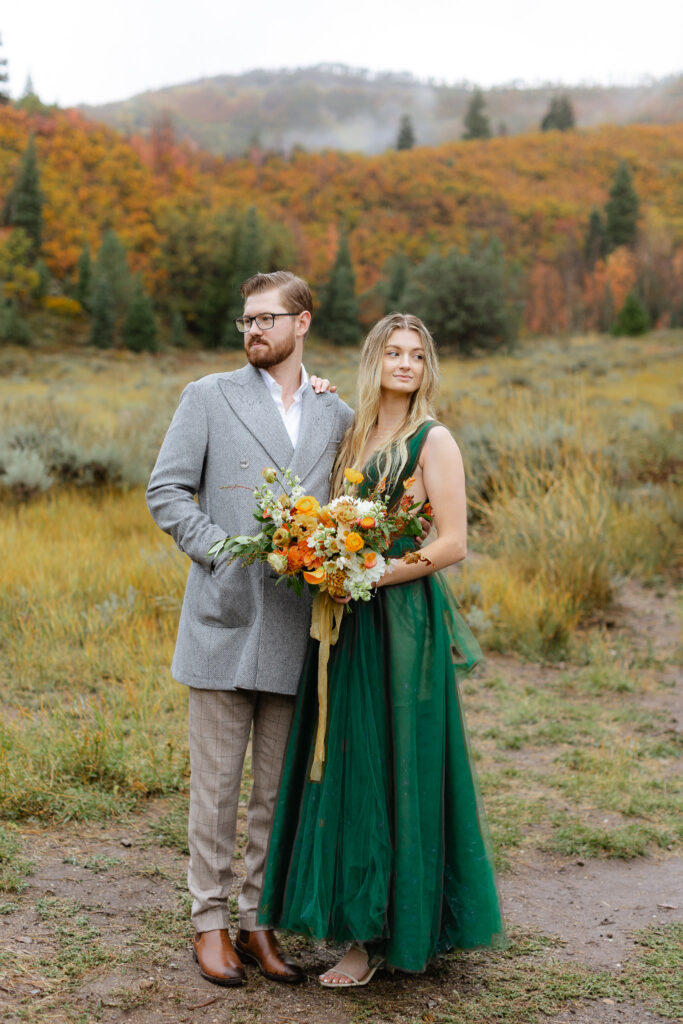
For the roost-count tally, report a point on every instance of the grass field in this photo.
(574, 459)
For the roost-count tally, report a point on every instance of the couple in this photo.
(386, 852)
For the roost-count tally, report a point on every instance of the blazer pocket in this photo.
(227, 598)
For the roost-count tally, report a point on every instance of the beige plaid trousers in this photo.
(220, 722)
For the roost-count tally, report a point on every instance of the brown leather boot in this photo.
(263, 949)
(217, 959)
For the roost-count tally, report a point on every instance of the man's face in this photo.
(268, 348)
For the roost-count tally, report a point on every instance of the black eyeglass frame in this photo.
(255, 320)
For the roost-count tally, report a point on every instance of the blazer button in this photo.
(244, 463)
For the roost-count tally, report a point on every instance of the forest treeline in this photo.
(539, 233)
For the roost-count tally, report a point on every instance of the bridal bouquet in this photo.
(338, 548)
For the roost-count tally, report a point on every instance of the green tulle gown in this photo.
(390, 848)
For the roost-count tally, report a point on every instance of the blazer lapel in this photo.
(249, 399)
(318, 417)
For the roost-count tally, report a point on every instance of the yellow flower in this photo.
(353, 542)
(345, 513)
(277, 561)
(353, 476)
(408, 482)
(285, 501)
(281, 536)
(269, 474)
(307, 505)
(303, 526)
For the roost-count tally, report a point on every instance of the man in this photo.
(241, 642)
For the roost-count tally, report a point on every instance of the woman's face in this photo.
(404, 362)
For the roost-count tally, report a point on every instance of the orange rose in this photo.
(325, 517)
(307, 505)
(370, 560)
(367, 523)
(314, 576)
(354, 542)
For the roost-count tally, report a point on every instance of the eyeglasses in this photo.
(264, 320)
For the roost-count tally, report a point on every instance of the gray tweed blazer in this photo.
(236, 629)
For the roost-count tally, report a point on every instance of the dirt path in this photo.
(101, 932)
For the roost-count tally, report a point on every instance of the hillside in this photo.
(337, 107)
(177, 211)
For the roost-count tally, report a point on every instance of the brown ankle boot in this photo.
(263, 949)
(217, 959)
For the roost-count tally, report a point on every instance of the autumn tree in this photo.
(24, 204)
(463, 298)
(477, 124)
(4, 79)
(621, 209)
(338, 316)
(559, 116)
(139, 328)
(103, 313)
(406, 133)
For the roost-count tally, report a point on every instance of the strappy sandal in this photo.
(373, 965)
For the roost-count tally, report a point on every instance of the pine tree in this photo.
(24, 204)
(596, 243)
(338, 317)
(112, 263)
(560, 115)
(4, 79)
(139, 328)
(396, 285)
(477, 124)
(84, 284)
(103, 316)
(178, 331)
(633, 318)
(621, 209)
(406, 133)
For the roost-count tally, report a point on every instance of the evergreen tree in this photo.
(13, 327)
(248, 256)
(621, 209)
(103, 313)
(112, 263)
(43, 286)
(406, 133)
(84, 284)
(596, 243)
(338, 317)
(178, 331)
(139, 328)
(559, 116)
(4, 79)
(633, 318)
(463, 298)
(24, 204)
(477, 124)
(396, 285)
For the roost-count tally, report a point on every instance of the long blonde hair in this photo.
(393, 453)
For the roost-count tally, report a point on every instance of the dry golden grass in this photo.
(574, 483)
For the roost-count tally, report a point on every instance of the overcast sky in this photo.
(85, 51)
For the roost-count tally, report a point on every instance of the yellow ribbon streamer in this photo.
(325, 623)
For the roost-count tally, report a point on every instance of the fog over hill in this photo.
(338, 107)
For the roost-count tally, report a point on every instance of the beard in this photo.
(272, 353)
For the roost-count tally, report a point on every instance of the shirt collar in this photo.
(276, 389)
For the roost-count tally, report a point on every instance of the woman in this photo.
(388, 850)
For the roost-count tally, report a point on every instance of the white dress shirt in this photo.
(290, 417)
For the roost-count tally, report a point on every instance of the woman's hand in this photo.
(321, 384)
(341, 600)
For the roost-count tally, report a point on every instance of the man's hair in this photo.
(294, 292)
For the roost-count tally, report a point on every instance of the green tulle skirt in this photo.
(391, 847)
